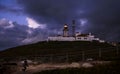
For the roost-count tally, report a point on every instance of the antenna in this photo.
(73, 28)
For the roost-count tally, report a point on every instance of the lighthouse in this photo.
(65, 31)
(76, 36)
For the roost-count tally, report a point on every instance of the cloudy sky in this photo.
(29, 21)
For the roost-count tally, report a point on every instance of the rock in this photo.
(74, 64)
(87, 65)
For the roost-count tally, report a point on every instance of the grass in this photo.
(73, 49)
(112, 68)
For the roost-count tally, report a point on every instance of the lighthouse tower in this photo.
(65, 31)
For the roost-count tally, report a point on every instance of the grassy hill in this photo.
(90, 49)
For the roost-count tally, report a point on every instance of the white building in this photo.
(76, 36)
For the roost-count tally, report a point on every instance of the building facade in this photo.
(77, 36)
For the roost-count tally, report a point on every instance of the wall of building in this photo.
(84, 39)
(61, 38)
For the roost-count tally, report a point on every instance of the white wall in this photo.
(61, 38)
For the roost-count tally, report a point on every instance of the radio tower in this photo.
(73, 28)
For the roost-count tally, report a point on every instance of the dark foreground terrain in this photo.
(63, 51)
(112, 68)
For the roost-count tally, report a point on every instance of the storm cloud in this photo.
(47, 17)
(13, 34)
(103, 16)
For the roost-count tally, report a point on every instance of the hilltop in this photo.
(54, 48)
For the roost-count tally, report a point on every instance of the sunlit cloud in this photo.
(29, 31)
(6, 23)
(33, 24)
(3, 21)
(11, 25)
(83, 22)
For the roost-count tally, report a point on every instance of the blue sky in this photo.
(10, 13)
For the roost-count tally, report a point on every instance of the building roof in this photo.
(82, 35)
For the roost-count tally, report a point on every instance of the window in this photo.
(85, 38)
(78, 38)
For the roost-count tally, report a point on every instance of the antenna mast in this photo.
(73, 28)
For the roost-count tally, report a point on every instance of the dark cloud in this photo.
(105, 20)
(52, 11)
(1, 7)
(103, 15)
(13, 9)
(13, 34)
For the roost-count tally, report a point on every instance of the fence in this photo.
(111, 53)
